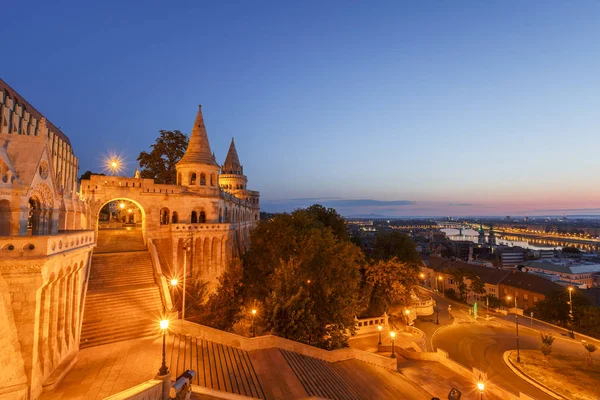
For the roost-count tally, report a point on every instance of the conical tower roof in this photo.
(232, 161)
(198, 150)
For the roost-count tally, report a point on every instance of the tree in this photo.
(223, 308)
(160, 163)
(329, 217)
(392, 281)
(546, 344)
(477, 285)
(458, 276)
(590, 348)
(87, 174)
(395, 244)
(295, 260)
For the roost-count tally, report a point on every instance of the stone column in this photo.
(69, 309)
(43, 330)
(52, 336)
(61, 316)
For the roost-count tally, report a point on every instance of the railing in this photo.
(45, 245)
(267, 341)
(149, 390)
(160, 278)
(370, 325)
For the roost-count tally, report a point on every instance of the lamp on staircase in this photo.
(164, 326)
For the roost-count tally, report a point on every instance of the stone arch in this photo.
(206, 257)
(194, 217)
(216, 256)
(96, 214)
(179, 178)
(5, 217)
(202, 217)
(203, 179)
(192, 178)
(212, 179)
(175, 218)
(220, 215)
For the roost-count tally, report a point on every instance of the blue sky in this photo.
(426, 108)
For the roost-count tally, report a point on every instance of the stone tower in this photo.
(232, 176)
(481, 238)
(198, 167)
(492, 236)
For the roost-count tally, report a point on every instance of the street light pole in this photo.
(517, 327)
(571, 333)
(186, 244)
(437, 316)
(253, 326)
(379, 328)
(164, 325)
(393, 335)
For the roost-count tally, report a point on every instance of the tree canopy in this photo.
(159, 163)
(395, 244)
(392, 282)
(87, 174)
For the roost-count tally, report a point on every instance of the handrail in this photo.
(159, 277)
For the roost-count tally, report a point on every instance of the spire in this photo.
(137, 174)
(198, 150)
(232, 162)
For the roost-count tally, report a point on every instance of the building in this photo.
(528, 288)
(46, 248)
(510, 257)
(566, 271)
(205, 218)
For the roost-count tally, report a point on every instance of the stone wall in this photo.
(46, 289)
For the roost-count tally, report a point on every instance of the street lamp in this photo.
(437, 314)
(571, 333)
(481, 388)
(393, 335)
(441, 279)
(379, 328)
(253, 326)
(517, 327)
(407, 312)
(164, 326)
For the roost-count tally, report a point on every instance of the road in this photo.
(481, 343)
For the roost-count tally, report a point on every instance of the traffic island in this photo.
(561, 376)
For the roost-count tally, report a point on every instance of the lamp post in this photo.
(393, 335)
(407, 313)
(437, 315)
(186, 247)
(422, 276)
(441, 279)
(379, 328)
(571, 333)
(253, 326)
(174, 283)
(517, 327)
(481, 388)
(164, 326)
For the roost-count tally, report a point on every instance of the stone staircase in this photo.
(319, 378)
(218, 366)
(123, 301)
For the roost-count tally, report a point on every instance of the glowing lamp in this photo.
(164, 324)
(174, 282)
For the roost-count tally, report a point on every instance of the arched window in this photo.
(174, 218)
(202, 217)
(179, 178)
(35, 222)
(202, 180)
(193, 178)
(226, 215)
(194, 218)
(4, 218)
(164, 216)
(212, 180)
(220, 215)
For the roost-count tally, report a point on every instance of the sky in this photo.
(388, 108)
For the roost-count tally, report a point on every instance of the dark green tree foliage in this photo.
(160, 163)
(87, 174)
(555, 309)
(222, 310)
(295, 261)
(329, 217)
(395, 244)
(392, 282)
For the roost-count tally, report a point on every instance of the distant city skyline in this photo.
(398, 109)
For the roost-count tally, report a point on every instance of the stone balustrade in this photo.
(209, 226)
(264, 342)
(46, 245)
(370, 325)
(423, 306)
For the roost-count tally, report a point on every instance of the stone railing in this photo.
(46, 245)
(149, 390)
(269, 341)
(423, 306)
(159, 277)
(370, 325)
(209, 226)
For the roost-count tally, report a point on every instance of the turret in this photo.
(198, 166)
(232, 176)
